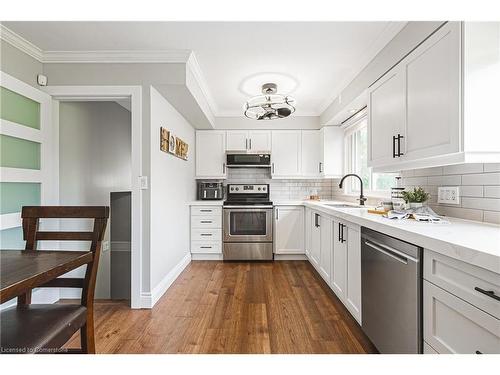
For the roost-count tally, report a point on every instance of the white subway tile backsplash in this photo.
(415, 181)
(492, 167)
(490, 204)
(492, 191)
(444, 180)
(491, 217)
(435, 171)
(471, 191)
(462, 213)
(463, 168)
(481, 179)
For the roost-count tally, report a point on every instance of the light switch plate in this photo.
(143, 182)
(449, 194)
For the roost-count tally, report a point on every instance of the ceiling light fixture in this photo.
(270, 105)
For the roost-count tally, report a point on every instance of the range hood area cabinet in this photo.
(431, 109)
(251, 141)
(295, 154)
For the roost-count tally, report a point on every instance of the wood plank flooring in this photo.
(216, 307)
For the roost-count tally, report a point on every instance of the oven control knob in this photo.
(264, 188)
(232, 188)
(237, 189)
(258, 189)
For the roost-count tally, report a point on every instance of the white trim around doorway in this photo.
(96, 93)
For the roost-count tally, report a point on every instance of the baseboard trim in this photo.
(290, 257)
(206, 256)
(148, 300)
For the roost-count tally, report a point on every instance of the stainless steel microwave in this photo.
(248, 160)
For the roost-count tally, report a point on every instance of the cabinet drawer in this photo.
(206, 210)
(461, 279)
(206, 221)
(452, 325)
(206, 247)
(206, 235)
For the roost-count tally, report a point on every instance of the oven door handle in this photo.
(248, 207)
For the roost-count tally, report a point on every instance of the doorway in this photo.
(130, 96)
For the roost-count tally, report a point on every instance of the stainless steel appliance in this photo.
(247, 223)
(210, 190)
(248, 160)
(391, 281)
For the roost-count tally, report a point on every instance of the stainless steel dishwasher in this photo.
(391, 281)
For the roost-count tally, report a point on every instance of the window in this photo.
(356, 146)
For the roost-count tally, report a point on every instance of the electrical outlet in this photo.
(449, 194)
(105, 246)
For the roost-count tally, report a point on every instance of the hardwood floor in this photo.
(216, 307)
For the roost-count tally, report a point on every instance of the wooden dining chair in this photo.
(47, 327)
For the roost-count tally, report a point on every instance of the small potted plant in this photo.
(416, 198)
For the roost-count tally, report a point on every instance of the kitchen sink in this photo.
(344, 205)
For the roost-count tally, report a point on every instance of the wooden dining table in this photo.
(22, 270)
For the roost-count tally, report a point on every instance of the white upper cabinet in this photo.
(237, 140)
(259, 141)
(419, 115)
(248, 141)
(210, 154)
(433, 81)
(386, 117)
(332, 151)
(312, 153)
(289, 230)
(286, 153)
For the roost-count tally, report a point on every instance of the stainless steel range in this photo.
(247, 223)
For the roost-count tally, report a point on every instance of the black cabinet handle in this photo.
(399, 145)
(343, 239)
(316, 220)
(320, 167)
(206, 221)
(394, 146)
(478, 352)
(223, 168)
(489, 293)
(273, 168)
(339, 236)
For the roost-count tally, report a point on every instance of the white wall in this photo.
(172, 186)
(95, 159)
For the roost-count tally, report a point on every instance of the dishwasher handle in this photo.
(390, 251)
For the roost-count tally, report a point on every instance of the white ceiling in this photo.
(318, 58)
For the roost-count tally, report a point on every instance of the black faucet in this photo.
(362, 198)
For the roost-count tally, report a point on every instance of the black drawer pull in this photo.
(489, 293)
(206, 221)
(206, 234)
(205, 210)
(205, 247)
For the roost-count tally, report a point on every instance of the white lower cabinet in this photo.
(289, 230)
(333, 247)
(206, 230)
(452, 325)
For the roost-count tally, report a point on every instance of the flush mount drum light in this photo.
(270, 105)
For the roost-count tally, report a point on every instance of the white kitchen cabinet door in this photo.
(236, 140)
(386, 117)
(325, 256)
(308, 229)
(452, 325)
(353, 291)
(285, 153)
(433, 76)
(312, 158)
(339, 267)
(289, 230)
(315, 252)
(210, 154)
(259, 141)
(332, 151)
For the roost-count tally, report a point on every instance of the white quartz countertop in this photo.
(206, 203)
(472, 242)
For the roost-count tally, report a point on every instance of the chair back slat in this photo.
(65, 236)
(31, 216)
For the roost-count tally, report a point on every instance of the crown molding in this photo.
(389, 32)
(194, 66)
(116, 57)
(20, 43)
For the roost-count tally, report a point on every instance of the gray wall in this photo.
(19, 64)
(94, 160)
